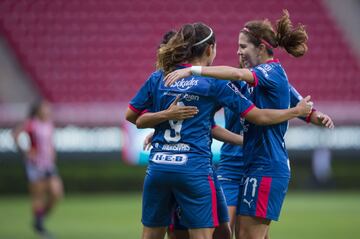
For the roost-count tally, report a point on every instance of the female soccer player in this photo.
(266, 159)
(180, 161)
(231, 168)
(45, 185)
(176, 230)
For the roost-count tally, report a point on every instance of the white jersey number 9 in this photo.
(173, 135)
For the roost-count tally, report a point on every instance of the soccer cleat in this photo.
(39, 225)
(42, 232)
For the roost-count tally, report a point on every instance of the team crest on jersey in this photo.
(162, 158)
(185, 84)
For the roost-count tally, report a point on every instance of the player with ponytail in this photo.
(267, 171)
(180, 162)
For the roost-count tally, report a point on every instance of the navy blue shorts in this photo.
(195, 195)
(262, 197)
(223, 214)
(231, 189)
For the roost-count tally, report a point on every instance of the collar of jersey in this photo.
(273, 61)
(185, 65)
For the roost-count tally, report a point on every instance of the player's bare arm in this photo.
(218, 72)
(174, 112)
(271, 116)
(226, 136)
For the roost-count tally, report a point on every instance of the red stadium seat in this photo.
(102, 51)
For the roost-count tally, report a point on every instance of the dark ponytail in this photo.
(180, 48)
(285, 36)
(293, 40)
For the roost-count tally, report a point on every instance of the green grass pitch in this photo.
(304, 215)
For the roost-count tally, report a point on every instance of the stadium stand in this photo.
(101, 51)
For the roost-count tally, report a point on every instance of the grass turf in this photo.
(304, 215)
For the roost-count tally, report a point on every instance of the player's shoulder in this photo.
(214, 81)
(155, 78)
(157, 75)
(265, 69)
(272, 65)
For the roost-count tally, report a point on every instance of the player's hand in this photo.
(305, 106)
(147, 141)
(325, 121)
(178, 112)
(172, 77)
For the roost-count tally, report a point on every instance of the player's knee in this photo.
(56, 194)
(153, 233)
(56, 191)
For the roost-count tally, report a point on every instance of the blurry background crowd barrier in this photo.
(88, 58)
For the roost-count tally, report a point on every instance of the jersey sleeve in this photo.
(295, 98)
(213, 123)
(262, 78)
(228, 95)
(143, 100)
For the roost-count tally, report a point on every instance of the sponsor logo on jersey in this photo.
(183, 96)
(245, 125)
(163, 158)
(185, 84)
(235, 89)
(264, 69)
(188, 97)
(176, 147)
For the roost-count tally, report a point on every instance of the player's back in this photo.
(185, 145)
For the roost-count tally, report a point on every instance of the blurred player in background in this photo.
(45, 184)
(266, 159)
(181, 152)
